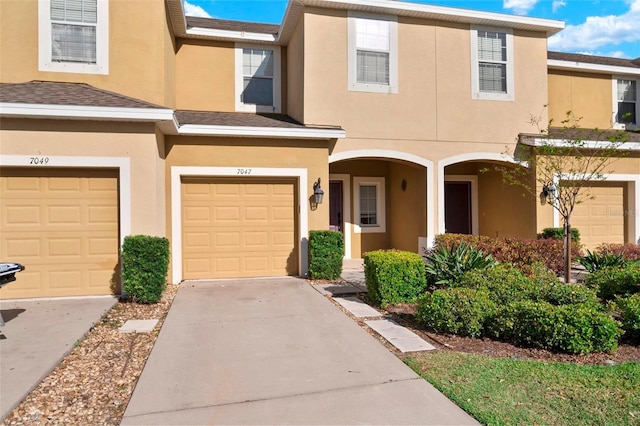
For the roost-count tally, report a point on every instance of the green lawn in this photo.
(500, 391)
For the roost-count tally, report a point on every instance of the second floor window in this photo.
(73, 30)
(627, 100)
(257, 75)
(257, 83)
(373, 53)
(492, 63)
(73, 36)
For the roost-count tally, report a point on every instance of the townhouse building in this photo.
(128, 117)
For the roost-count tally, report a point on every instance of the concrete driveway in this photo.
(275, 351)
(38, 334)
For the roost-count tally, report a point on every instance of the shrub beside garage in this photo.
(326, 250)
(145, 262)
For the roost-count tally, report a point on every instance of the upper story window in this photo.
(626, 102)
(373, 53)
(492, 64)
(74, 36)
(257, 79)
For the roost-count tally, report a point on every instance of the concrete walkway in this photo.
(275, 351)
(39, 333)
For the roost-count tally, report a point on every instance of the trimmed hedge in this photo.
(461, 311)
(326, 250)
(558, 234)
(630, 314)
(394, 276)
(519, 251)
(616, 281)
(578, 329)
(507, 284)
(145, 261)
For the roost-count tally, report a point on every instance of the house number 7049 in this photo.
(244, 171)
(39, 161)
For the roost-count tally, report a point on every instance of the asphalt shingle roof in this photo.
(591, 59)
(57, 93)
(242, 119)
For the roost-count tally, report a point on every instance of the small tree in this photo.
(562, 162)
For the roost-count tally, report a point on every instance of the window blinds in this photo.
(492, 61)
(373, 41)
(73, 30)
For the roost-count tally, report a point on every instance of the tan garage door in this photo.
(601, 220)
(63, 226)
(238, 228)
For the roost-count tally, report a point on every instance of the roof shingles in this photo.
(591, 59)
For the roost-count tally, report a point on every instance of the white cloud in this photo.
(598, 31)
(557, 4)
(196, 11)
(520, 7)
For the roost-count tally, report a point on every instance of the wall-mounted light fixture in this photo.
(548, 194)
(318, 195)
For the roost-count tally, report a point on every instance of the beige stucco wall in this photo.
(139, 48)
(433, 102)
(295, 73)
(137, 142)
(205, 73)
(589, 96)
(407, 207)
(252, 153)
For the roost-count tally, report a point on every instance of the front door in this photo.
(457, 207)
(335, 206)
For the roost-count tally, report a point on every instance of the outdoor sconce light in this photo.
(548, 194)
(318, 195)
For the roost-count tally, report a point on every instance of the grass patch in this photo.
(499, 391)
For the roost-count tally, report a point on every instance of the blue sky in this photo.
(596, 27)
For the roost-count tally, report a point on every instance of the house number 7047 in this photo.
(38, 160)
(244, 171)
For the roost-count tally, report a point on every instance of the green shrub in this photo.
(326, 250)
(145, 261)
(576, 329)
(394, 276)
(616, 281)
(519, 251)
(594, 261)
(446, 265)
(558, 234)
(504, 283)
(559, 293)
(630, 314)
(460, 311)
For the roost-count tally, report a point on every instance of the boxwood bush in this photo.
(630, 314)
(326, 250)
(394, 276)
(145, 261)
(578, 329)
(461, 311)
(558, 234)
(616, 280)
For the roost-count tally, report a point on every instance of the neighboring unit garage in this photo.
(238, 227)
(62, 224)
(602, 219)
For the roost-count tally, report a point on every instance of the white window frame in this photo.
(239, 83)
(379, 183)
(475, 66)
(45, 63)
(614, 85)
(352, 63)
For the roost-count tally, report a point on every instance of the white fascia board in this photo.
(584, 66)
(84, 112)
(562, 143)
(231, 35)
(445, 13)
(261, 132)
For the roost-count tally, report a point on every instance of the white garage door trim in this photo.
(177, 172)
(633, 186)
(123, 164)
